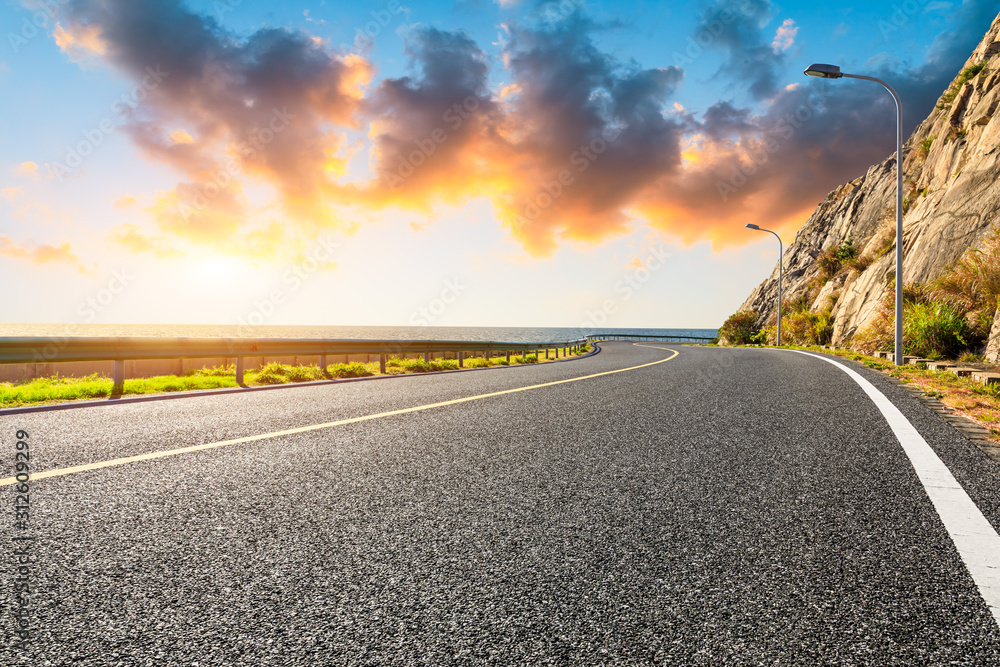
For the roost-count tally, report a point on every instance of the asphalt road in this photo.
(728, 506)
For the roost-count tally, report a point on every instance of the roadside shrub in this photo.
(275, 373)
(739, 329)
(396, 366)
(214, 371)
(355, 369)
(477, 362)
(829, 265)
(846, 251)
(931, 328)
(800, 325)
(527, 359)
(767, 335)
(972, 284)
(934, 330)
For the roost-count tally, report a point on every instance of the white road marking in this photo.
(975, 538)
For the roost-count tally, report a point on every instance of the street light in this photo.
(781, 255)
(833, 72)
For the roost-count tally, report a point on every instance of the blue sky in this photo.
(540, 164)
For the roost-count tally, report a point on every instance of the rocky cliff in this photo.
(952, 197)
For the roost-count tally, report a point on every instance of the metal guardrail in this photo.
(122, 349)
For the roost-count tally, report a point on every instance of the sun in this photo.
(217, 268)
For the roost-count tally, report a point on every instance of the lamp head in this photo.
(824, 71)
(753, 227)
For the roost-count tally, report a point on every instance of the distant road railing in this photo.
(650, 337)
(120, 350)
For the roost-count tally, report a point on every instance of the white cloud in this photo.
(785, 37)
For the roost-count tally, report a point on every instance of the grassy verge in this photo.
(59, 389)
(974, 401)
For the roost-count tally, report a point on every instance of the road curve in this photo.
(733, 506)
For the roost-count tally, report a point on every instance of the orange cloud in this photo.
(131, 237)
(203, 211)
(181, 137)
(40, 254)
(81, 41)
(10, 194)
(27, 168)
(125, 201)
(574, 147)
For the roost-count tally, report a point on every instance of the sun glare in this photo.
(218, 269)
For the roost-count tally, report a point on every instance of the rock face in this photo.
(951, 186)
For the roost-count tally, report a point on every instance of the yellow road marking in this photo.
(58, 472)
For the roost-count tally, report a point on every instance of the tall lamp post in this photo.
(781, 256)
(833, 72)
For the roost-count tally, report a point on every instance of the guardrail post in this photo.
(508, 356)
(461, 359)
(119, 378)
(240, 367)
(322, 365)
(381, 364)
(427, 357)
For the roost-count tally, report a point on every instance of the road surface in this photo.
(701, 506)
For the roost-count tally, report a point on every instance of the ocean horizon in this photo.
(505, 334)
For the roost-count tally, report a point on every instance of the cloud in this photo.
(586, 135)
(569, 145)
(125, 201)
(83, 43)
(40, 254)
(131, 237)
(736, 27)
(27, 169)
(784, 38)
(773, 164)
(266, 106)
(10, 194)
(432, 130)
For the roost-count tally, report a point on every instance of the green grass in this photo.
(48, 390)
(925, 145)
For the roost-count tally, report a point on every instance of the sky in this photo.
(459, 163)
